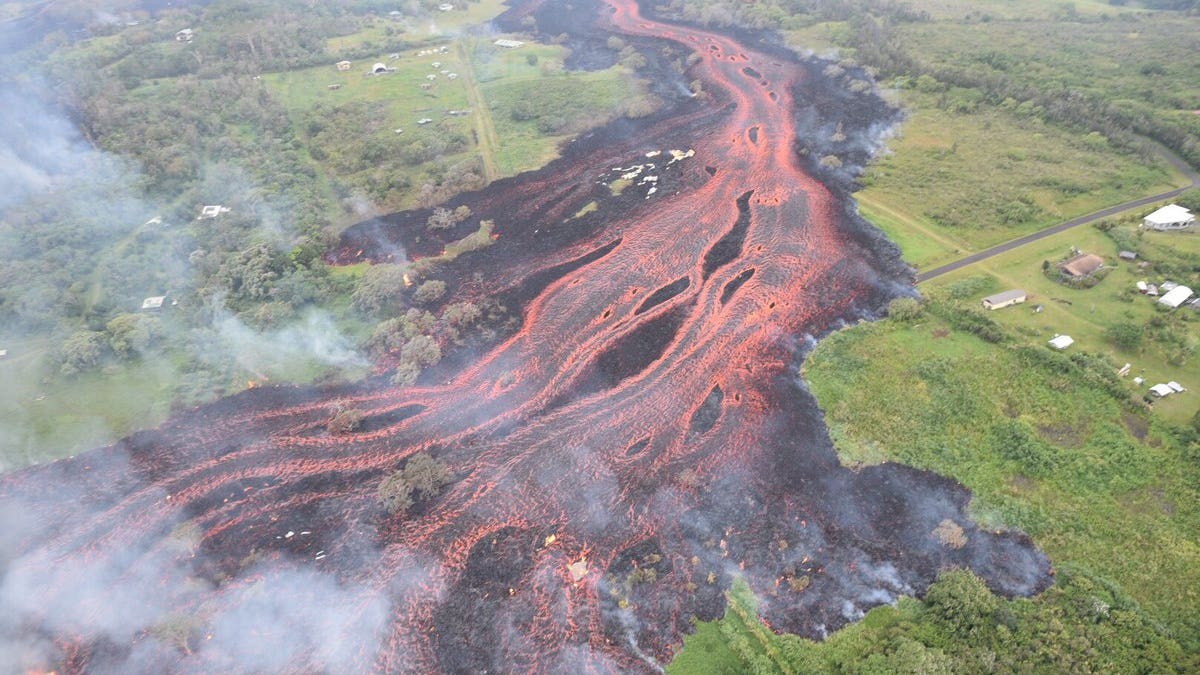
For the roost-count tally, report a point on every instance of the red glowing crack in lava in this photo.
(609, 434)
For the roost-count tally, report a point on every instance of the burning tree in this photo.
(420, 479)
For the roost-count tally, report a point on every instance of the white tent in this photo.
(1176, 296)
(1161, 390)
(1169, 217)
(1062, 341)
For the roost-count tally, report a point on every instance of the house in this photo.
(3, 353)
(509, 44)
(1168, 286)
(1176, 387)
(153, 303)
(435, 65)
(1142, 287)
(344, 65)
(1083, 265)
(452, 76)
(445, 7)
(423, 121)
(1062, 341)
(1152, 290)
(1168, 218)
(333, 87)
(1175, 297)
(1124, 370)
(1005, 299)
(1127, 255)
(185, 35)
(210, 212)
(431, 77)
(379, 69)
(1161, 390)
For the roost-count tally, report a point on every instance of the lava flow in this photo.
(640, 441)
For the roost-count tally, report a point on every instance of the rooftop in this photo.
(1171, 213)
(1006, 296)
(1083, 264)
(1062, 341)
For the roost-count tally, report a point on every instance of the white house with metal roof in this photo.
(1169, 217)
(1175, 297)
(1005, 299)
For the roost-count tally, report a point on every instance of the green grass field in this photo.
(489, 81)
(1085, 314)
(1042, 446)
(61, 417)
(414, 31)
(956, 183)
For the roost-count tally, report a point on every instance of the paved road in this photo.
(1175, 161)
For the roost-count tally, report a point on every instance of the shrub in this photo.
(905, 309)
(345, 421)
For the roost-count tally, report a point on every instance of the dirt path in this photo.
(910, 222)
(484, 129)
(1174, 160)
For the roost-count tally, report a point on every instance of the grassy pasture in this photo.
(957, 183)
(1041, 446)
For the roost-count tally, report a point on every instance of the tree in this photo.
(461, 315)
(129, 334)
(251, 273)
(395, 493)
(905, 309)
(425, 475)
(421, 351)
(345, 421)
(406, 374)
(82, 351)
(1125, 336)
(380, 289)
(962, 602)
(441, 219)
(420, 479)
(430, 291)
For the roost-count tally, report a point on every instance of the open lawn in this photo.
(49, 416)
(62, 417)
(956, 183)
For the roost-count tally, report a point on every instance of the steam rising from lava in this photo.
(637, 443)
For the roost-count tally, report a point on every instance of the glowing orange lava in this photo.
(641, 439)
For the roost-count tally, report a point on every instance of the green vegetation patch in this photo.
(532, 116)
(1049, 443)
(1082, 624)
(961, 181)
(1164, 345)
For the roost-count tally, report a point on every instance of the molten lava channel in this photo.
(644, 423)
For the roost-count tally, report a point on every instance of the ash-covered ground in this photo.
(637, 442)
